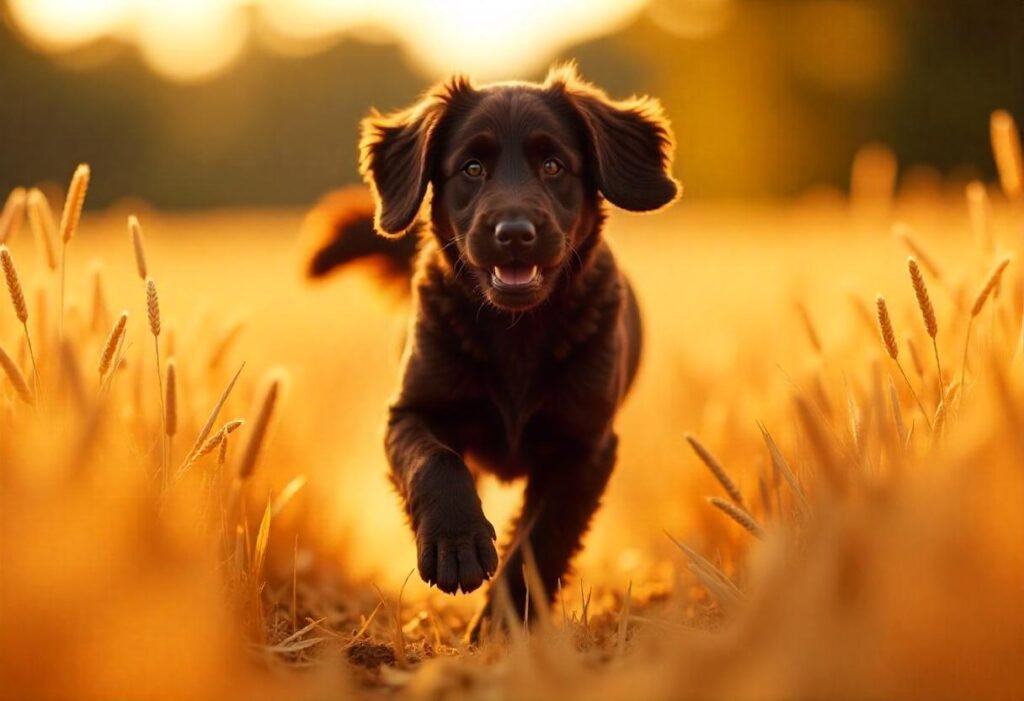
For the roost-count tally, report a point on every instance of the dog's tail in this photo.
(339, 231)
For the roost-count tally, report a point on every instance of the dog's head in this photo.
(517, 172)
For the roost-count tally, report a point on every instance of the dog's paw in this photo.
(455, 547)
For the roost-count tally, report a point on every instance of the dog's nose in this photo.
(515, 233)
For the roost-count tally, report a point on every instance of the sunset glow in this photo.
(189, 40)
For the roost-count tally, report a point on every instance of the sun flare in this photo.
(189, 40)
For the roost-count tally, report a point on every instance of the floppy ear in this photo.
(396, 153)
(631, 143)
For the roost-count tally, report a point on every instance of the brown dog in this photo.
(526, 335)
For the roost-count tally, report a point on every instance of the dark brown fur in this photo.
(522, 380)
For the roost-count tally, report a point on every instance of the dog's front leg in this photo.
(454, 541)
(561, 496)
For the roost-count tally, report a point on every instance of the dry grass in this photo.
(887, 559)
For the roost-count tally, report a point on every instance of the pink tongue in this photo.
(516, 274)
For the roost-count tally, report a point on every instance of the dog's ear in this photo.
(396, 153)
(630, 141)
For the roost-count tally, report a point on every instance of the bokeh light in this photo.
(189, 40)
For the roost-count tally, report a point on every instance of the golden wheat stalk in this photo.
(942, 411)
(294, 486)
(170, 410)
(889, 341)
(809, 327)
(204, 433)
(905, 234)
(223, 344)
(915, 356)
(69, 219)
(71, 374)
(222, 454)
(171, 399)
(44, 228)
(138, 246)
(897, 414)
(857, 432)
(824, 443)
(215, 441)
(74, 202)
(885, 327)
(979, 209)
(18, 301)
(170, 335)
(13, 373)
(153, 307)
(767, 499)
(924, 301)
(781, 467)
(153, 316)
(931, 324)
(738, 514)
(1007, 151)
(257, 437)
(715, 467)
(112, 343)
(13, 284)
(939, 422)
(99, 314)
(991, 283)
(712, 578)
(13, 214)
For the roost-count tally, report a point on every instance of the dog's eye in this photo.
(473, 169)
(552, 167)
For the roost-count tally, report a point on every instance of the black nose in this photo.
(515, 233)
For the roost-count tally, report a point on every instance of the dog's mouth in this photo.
(515, 286)
(515, 276)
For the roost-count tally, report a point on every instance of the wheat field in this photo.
(194, 501)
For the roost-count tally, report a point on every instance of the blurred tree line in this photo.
(775, 100)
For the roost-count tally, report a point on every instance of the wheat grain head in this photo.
(990, 284)
(715, 467)
(112, 343)
(257, 437)
(17, 379)
(152, 307)
(885, 328)
(44, 228)
(13, 214)
(138, 246)
(171, 399)
(73, 203)
(924, 301)
(1007, 152)
(13, 284)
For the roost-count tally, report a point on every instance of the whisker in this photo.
(460, 265)
(577, 254)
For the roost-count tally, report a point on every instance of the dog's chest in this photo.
(516, 390)
(515, 383)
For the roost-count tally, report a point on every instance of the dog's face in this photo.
(517, 172)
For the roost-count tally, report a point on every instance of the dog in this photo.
(526, 336)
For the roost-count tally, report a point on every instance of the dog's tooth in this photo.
(533, 273)
(497, 273)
